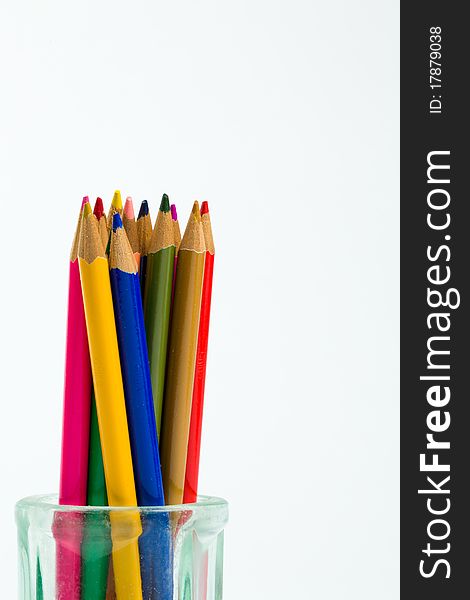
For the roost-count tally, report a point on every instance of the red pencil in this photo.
(194, 441)
(98, 211)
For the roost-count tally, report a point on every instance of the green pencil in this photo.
(96, 544)
(157, 301)
(39, 592)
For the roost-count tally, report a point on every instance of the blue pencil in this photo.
(156, 559)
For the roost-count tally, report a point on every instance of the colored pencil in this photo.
(157, 301)
(96, 545)
(125, 285)
(144, 231)
(128, 220)
(177, 237)
(77, 390)
(98, 211)
(111, 409)
(75, 434)
(39, 590)
(116, 206)
(176, 227)
(96, 493)
(96, 566)
(182, 358)
(135, 368)
(194, 441)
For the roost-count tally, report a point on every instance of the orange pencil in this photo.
(128, 220)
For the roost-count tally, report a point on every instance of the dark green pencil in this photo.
(157, 301)
(39, 592)
(96, 544)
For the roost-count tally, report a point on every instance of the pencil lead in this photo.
(204, 208)
(98, 210)
(85, 200)
(195, 211)
(117, 221)
(86, 209)
(129, 208)
(144, 209)
(117, 201)
(174, 214)
(165, 203)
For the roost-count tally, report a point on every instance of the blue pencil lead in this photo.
(144, 209)
(117, 221)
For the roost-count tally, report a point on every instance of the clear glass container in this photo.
(107, 553)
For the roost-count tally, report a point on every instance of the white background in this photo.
(284, 116)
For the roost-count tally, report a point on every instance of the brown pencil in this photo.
(182, 358)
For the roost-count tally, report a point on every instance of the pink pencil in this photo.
(75, 435)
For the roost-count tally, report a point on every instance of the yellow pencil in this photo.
(112, 420)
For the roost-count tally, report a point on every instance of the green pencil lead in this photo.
(165, 203)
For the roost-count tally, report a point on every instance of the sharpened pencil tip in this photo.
(129, 209)
(86, 209)
(98, 210)
(85, 199)
(117, 200)
(144, 209)
(204, 208)
(165, 203)
(174, 214)
(195, 211)
(117, 221)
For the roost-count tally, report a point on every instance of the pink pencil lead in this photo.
(85, 200)
(129, 208)
(174, 214)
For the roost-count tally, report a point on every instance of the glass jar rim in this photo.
(49, 502)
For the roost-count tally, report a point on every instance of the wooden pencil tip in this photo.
(98, 210)
(165, 204)
(117, 200)
(174, 214)
(117, 221)
(193, 238)
(195, 211)
(129, 209)
(144, 209)
(204, 208)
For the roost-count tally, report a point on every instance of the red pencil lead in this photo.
(204, 208)
(98, 210)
